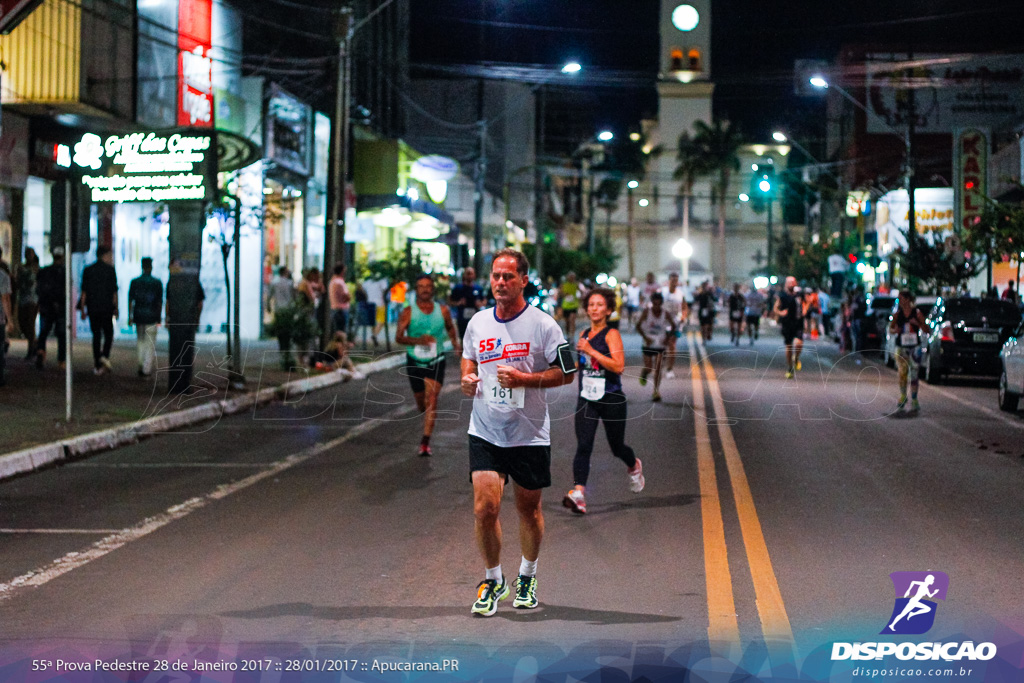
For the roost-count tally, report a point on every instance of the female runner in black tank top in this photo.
(601, 360)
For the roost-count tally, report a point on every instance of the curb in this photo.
(45, 455)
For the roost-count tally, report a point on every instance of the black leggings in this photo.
(611, 409)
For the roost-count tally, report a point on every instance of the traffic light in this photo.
(762, 186)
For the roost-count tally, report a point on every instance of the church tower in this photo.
(684, 96)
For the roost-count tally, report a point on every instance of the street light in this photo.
(744, 197)
(683, 250)
(605, 136)
(572, 68)
(633, 184)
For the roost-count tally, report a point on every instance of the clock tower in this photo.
(684, 78)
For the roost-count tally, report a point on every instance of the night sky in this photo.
(755, 43)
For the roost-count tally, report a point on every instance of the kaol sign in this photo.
(971, 165)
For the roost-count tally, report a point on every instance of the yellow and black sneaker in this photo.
(489, 592)
(526, 592)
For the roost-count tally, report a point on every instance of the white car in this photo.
(1011, 380)
(924, 303)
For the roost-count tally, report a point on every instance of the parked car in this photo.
(876, 319)
(966, 337)
(924, 304)
(1011, 380)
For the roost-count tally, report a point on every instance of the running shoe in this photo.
(575, 501)
(526, 592)
(656, 397)
(425, 451)
(636, 477)
(903, 402)
(671, 374)
(915, 406)
(489, 592)
(105, 362)
(799, 366)
(643, 381)
(789, 373)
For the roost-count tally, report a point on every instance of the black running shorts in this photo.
(753, 320)
(529, 466)
(791, 332)
(652, 352)
(417, 373)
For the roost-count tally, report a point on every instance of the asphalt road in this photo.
(309, 534)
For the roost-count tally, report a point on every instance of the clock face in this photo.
(685, 17)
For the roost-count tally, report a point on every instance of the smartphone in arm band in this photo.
(566, 359)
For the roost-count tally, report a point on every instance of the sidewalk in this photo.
(33, 401)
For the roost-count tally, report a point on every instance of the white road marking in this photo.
(59, 531)
(117, 539)
(991, 412)
(160, 465)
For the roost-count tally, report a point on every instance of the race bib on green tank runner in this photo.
(425, 351)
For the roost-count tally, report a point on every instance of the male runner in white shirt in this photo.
(510, 358)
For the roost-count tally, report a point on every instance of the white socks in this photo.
(494, 573)
(528, 568)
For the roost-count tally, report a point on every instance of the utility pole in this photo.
(481, 176)
(770, 238)
(589, 175)
(539, 211)
(334, 235)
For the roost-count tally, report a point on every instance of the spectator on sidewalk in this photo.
(376, 289)
(52, 307)
(5, 266)
(185, 298)
(98, 302)
(6, 323)
(28, 300)
(282, 290)
(340, 299)
(145, 308)
(466, 299)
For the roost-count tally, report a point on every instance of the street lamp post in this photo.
(630, 236)
(906, 137)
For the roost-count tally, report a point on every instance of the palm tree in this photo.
(692, 164)
(628, 159)
(720, 144)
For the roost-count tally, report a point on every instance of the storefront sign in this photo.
(288, 131)
(950, 92)
(147, 167)
(970, 156)
(195, 67)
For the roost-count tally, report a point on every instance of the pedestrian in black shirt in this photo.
(99, 303)
(52, 306)
(145, 306)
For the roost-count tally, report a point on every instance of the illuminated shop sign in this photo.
(195, 66)
(147, 167)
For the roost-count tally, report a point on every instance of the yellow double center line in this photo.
(721, 606)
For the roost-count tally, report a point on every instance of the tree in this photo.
(719, 145)
(558, 261)
(929, 268)
(692, 163)
(626, 159)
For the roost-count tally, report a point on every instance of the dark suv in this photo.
(966, 336)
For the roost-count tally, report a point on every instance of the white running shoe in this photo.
(671, 374)
(636, 477)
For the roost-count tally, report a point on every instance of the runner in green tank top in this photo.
(421, 328)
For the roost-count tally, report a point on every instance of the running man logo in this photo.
(916, 592)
